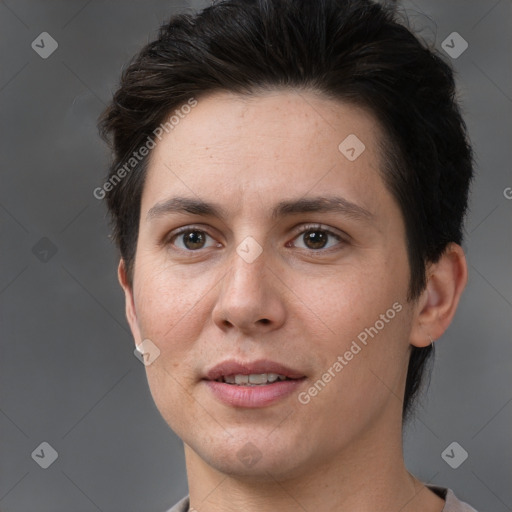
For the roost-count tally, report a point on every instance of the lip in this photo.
(232, 367)
(252, 396)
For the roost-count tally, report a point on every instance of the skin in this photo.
(294, 304)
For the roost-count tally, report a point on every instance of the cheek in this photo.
(364, 319)
(172, 312)
(169, 386)
(349, 299)
(166, 301)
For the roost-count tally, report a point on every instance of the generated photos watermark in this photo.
(355, 348)
(137, 156)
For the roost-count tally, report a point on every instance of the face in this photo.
(285, 255)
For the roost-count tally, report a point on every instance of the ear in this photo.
(437, 304)
(131, 314)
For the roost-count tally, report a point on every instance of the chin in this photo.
(251, 456)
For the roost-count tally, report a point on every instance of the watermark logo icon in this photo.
(249, 249)
(351, 147)
(454, 45)
(44, 250)
(45, 455)
(454, 455)
(147, 352)
(249, 455)
(44, 45)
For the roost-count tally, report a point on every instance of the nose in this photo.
(250, 298)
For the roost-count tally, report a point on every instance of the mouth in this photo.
(252, 384)
(253, 379)
(251, 373)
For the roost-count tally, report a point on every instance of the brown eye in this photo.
(192, 240)
(316, 238)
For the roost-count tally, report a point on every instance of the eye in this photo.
(316, 238)
(191, 239)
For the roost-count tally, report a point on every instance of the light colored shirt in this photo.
(452, 503)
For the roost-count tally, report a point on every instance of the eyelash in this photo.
(298, 232)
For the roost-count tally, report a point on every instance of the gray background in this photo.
(68, 373)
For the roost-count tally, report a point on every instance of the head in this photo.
(251, 107)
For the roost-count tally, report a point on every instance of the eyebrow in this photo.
(321, 204)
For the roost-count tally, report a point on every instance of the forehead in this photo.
(279, 119)
(279, 142)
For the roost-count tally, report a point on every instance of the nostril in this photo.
(265, 321)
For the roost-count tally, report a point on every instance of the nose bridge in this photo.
(247, 267)
(247, 296)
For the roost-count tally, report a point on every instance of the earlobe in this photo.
(131, 314)
(438, 303)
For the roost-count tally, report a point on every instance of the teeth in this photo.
(258, 379)
(241, 379)
(255, 379)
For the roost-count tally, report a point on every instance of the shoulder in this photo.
(453, 504)
(181, 506)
